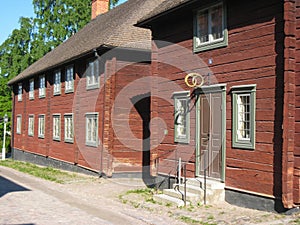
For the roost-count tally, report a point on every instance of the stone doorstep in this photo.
(210, 184)
(189, 188)
(163, 198)
(192, 198)
(215, 192)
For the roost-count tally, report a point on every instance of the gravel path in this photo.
(25, 199)
(28, 200)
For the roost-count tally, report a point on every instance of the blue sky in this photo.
(10, 13)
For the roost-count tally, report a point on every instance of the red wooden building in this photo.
(63, 103)
(242, 125)
(217, 90)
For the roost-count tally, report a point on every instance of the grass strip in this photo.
(46, 173)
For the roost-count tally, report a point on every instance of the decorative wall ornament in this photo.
(193, 80)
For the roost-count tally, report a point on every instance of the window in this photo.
(31, 125)
(91, 132)
(69, 133)
(19, 124)
(20, 92)
(243, 119)
(210, 28)
(181, 117)
(42, 87)
(92, 77)
(56, 127)
(57, 82)
(69, 81)
(41, 130)
(31, 89)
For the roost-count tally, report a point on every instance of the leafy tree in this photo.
(57, 20)
(14, 58)
(113, 3)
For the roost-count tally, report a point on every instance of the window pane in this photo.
(92, 73)
(31, 126)
(57, 78)
(56, 127)
(203, 26)
(69, 78)
(92, 129)
(69, 128)
(41, 128)
(19, 123)
(20, 92)
(243, 106)
(216, 22)
(180, 117)
(42, 86)
(31, 89)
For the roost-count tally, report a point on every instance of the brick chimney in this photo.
(99, 7)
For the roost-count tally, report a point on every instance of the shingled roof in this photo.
(165, 6)
(114, 28)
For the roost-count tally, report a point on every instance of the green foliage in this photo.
(189, 220)
(113, 3)
(55, 21)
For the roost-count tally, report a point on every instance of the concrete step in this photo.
(192, 198)
(210, 184)
(166, 199)
(189, 188)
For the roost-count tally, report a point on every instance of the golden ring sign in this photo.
(194, 80)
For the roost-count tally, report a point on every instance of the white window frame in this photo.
(211, 43)
(57, 82)
(92, 74)
(69, 79)
(31, 89)
(181, 116)
(56, 127)
(41, 126)
(20, 92)
(91, 129)
(19, 124)
(42, 86)
(241, 123)
(69, 128)
(31, 125)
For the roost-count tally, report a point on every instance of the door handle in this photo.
(206, 138)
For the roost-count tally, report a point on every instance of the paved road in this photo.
(27, 200)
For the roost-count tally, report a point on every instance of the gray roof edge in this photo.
(18, 79)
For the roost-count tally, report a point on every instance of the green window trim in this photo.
(181, 117)
(210, 44)
(243, 116)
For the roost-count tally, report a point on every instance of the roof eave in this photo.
(146, 23)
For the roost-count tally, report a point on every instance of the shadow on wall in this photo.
(142, 105)
(7, 186)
